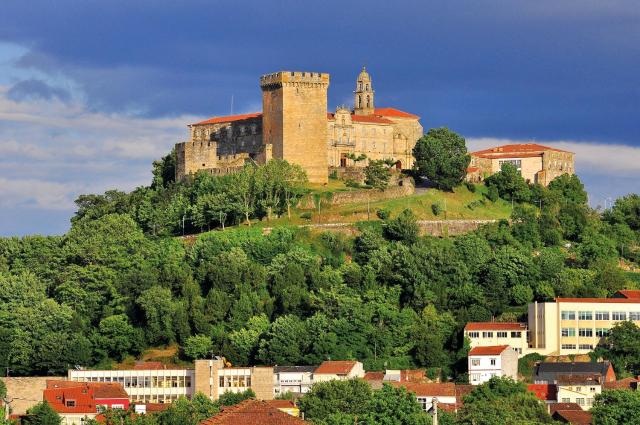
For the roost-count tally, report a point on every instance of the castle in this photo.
(294, 125)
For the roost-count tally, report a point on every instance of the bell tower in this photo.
(363, 101)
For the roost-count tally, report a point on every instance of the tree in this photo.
(42, 414)
(349, 397)
(569, 188)
(613, 407)
(403, 228)
(441, 155)
(509, 183)
(164, 170)
(377, 174)
(116, 336)
(626, 210)
(622, 348)
(188, 412)
(395, 406)
(502, 400)
(197, 347)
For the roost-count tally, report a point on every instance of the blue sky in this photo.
(92, 91)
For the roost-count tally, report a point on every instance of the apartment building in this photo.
(579, 389)
(152, 382)
(487, 334)
(292, 379)
(486, 362)
(576, 325)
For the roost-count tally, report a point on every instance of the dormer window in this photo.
(70, 403)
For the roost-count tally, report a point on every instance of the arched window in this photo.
(359, 101)
(360, 86)
(368, 101)
(367, 87)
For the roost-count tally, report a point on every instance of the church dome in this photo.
(364, 75)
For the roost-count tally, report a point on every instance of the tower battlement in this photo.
(277, 79)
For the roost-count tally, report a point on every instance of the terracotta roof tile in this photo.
(81, 396)
(370, 119)
(281, 404)
(374, 376)
(100, 389)
(544, 392)
(393, 112)
(554, 407)
(623, 384)
(335, 367)
(229, 118)
(446, 389)
(491, 350)
(523, 148)
(495, 326)
(629, 293)
(599, 300)
(252, 412)
(573, 417)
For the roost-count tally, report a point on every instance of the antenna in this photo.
(231, 105)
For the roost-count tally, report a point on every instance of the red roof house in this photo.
(252, 412)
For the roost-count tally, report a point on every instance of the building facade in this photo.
(294, 125)
(579, 389)
(485, 334)
(486, 362)
(536, 163)
(577, 325)
(159, 385)
(338, 370)
(292, 379)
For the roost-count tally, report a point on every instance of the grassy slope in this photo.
(456, 205)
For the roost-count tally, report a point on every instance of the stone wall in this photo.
(360, 196)
(262, 382)
(450, 227)
(26, 391)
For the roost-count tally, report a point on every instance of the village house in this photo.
(486, 362)
(486, 334)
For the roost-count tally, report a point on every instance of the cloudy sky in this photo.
(92, 91)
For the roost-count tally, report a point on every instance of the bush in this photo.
(306, 215)
(404, 228)
(492, 194)
(436, 208)
(333, 175)
(470, 186)
(352, 183)
(383, 214)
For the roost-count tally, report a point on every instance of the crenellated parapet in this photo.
(293, 79)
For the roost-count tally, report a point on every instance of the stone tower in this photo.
(294, 119)
(363, 101)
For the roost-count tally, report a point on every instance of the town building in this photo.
(536, 163)
(576, 325)
(485, 334)
(627, 293)
(252, 412)
(443, 393)
(573, 417)
(580, 389)
(338, 370)
(549, 372)
(286, 406)
(376, 379)
(292, 379)
(153, 383)
(486, 362)
(76, 402)
(294, 125)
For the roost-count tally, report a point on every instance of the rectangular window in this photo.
(71, 403)
(634, 315)
(474, 334)
(568, 346)
(568, 315)
(566, 400)
(589, 401)
(602, 332)
(580, 401)
(493, 362)
(568, 332)
(619, 315)
(586, 346)
(585, 315)
(602, 315)
(502, 334)
(516, 334)
(585, 332)
(475, 377)
(487, 334)
(475, 362)
(592, 389)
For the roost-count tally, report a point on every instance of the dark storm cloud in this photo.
(36, 89)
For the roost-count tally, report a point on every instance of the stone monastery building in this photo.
(294, 125)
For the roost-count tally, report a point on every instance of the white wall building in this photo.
(487, 362)
(486, 334)
(338, 370)
(293, 379)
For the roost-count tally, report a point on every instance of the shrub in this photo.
(492, 194)
(352, 183)
(334, 175)
(383, 214)
(470, 186)
(306, 215)
(436, 208)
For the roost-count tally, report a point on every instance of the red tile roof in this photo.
(393, 112)
(374, 376)
(574, 417)
(363, 118)
(335, 367)
(544, 392)
(492, 350)
(282, 404)
(623, 384)
(472, 169)
(252, 412)
(495, 326)
(599, 300)
(81, 396)
(629, 293)
(229, 118)
(446, 389)
(519, 149)
(100, 389)
(148, 366)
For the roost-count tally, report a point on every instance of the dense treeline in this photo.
(113, 286)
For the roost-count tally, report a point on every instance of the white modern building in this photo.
(338, 370)
(486, 362)
(292, 379)
(486, 334)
